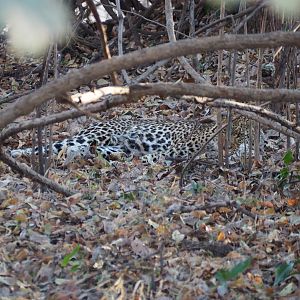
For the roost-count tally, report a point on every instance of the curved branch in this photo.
(132, 93)
(183, 47)
(60, 117)
(259, 111)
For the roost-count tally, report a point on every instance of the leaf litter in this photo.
(128, 233)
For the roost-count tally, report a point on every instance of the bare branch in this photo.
(132, 93)
(103, 37)
(75, 78)
(60, 117)
(183, 208)
(28, 172)
(120, 38)
(171, 34)
(257, 110)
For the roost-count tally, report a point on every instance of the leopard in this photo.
(151, 140)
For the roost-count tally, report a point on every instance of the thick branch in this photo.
(65, 115)
(211, 91)
(72, 80)
(132, 93)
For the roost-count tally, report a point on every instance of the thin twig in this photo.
(109, 9)
(103, 37)
(40, 129)
(12, 98)
(171, 34)
(183, 209)
(149, 71)
(120, 39)
(228, 18)
(258, 110)
(258, 7)
(186, 167)
(219, 83)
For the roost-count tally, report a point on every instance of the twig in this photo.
(149, 71)
(195, 58)
(258, 85)
(182, 17)
(11, 98)
(120, 39)
(171, 34)
(147, 13)
(186, 167)
(273, 125)
(247, 78)
(103, 37)
(183, 209)
(258, 7)
(40, 129)
(258, 110)
(60, 117)
(109, 9)
(230, 17)
(219, 83)
(31, 174)
(216, 248)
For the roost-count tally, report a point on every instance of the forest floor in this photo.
(132, 233)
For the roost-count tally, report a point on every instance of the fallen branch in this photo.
(31, 174)
(216, 248)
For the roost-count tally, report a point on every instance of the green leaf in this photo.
(66, 260)
(130, 196)
(224, 275)
(196, 187)
(283, 174)
(75, 266)
(288, 157)
(283, 271)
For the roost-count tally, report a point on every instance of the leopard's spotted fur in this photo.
(136, 137)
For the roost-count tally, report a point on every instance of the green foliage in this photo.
(285, 174)
(196, 187)
(288, 158)
(68, 259)
(225, 275)
(284, 270)
(129, 196)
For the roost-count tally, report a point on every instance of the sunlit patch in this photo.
(34, 25)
